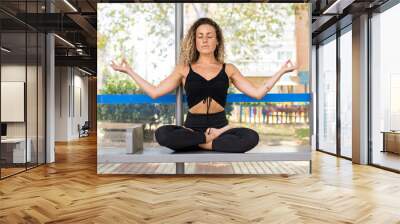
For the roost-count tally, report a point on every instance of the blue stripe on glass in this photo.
(171, 98)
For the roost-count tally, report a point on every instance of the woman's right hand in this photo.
(122, 67)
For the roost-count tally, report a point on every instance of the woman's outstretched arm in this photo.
(249, 89)
(164, 87)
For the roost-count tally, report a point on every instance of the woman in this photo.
(205, 78)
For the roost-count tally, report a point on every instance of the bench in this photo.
(160, 154)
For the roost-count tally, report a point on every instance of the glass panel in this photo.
(41, 98)
(385, 89)
(258, 49)
(32, 84)
(145, 35)
(346, 94)
(31, 98)
(20, 68)
(327, 96)
(13, 86)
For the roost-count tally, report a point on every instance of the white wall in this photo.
(61, 103)
(70, 84)
(11, 73)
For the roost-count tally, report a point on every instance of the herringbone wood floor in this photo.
(70, 191)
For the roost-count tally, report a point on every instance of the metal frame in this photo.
(37, 93)
(37, 164)
(370, 152)
(180, 167)
(387, 5)
(26, 90)
(310, 80)
(317, 98)
(338, 98)
(45, 89)
(0, 93)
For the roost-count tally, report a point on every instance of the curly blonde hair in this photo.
(189, 53)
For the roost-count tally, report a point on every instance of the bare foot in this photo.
(219, 131)
(210, 135)
(207, 145)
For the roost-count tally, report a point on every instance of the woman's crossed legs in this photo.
(224, 139)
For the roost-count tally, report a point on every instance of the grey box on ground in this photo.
(134, 139)
(133, 134)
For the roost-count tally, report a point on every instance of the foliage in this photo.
(303, 133)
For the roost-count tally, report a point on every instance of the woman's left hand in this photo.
(288, 67)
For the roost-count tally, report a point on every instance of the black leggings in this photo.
(179, 139)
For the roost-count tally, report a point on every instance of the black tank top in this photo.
(198, 88)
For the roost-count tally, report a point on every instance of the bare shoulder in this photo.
(182, 69)
(230, 69)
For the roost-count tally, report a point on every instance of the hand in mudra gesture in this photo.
(122, 67)
(288, 66)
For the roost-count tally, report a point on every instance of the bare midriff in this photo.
(201, 108)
